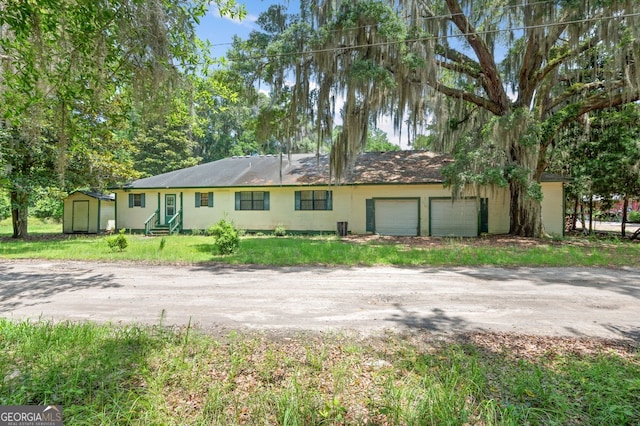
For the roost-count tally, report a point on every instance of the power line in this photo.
(427, 18)
(429, 38)
(434, 17)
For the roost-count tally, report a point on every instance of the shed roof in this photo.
(399, 167)
(97, 195)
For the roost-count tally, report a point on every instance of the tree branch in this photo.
(487, 104)
(583, 90)
(452, 66)
(461, 62)
(490, 77)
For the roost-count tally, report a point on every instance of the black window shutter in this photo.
(297, 200)
(130, 200)
(329, 200)
(198, 199)
(210, 200)
(237, 201)
(370, 216)
(266, 201)
(142, 200)
(484, 215)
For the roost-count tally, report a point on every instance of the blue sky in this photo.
(220, 30)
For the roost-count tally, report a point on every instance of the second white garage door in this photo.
(457, 219)
(397, 217)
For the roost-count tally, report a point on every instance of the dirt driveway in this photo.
(541, 301)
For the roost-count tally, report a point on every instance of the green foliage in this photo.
(467, 64)
(74, 75)
(163, 148)
(5, 205)
(378, 141)
(118, 242)
(377, 13)
(424, 142)
(601, 154)
(95, 372)
(366, 71)
(633, 216)
(197, 231)
(48, 205)
(279, 231)
(225, 237)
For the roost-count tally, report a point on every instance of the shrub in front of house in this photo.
(280, 231)
(226, 237)
(118, 242)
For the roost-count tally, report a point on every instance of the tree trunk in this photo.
(574, 222)
(19, 212)
(625, 207)
(590, 214)
(526, 212)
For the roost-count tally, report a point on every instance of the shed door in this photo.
(80, 216)
(397, 217)
(454, 219)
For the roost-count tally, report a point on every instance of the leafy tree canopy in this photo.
(495, 80)
(70, 73)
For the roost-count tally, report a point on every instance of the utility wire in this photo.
(446, 36)
(428, 18)
(486, 12)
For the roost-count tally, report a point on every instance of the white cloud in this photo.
(248, 21)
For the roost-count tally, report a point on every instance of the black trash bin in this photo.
(342, 228)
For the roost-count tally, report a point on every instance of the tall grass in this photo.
(108, 375)
(324, 250)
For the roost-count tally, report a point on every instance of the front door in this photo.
(169, 207)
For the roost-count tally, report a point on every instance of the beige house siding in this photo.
(349, 205)
(553, 207)
(133, 218)
(99, 213)
(107, 214)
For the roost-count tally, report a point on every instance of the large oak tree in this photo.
(495, 80)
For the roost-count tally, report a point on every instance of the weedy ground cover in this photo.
(330, 250)
(107, 374)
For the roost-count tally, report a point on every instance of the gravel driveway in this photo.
(542, 301)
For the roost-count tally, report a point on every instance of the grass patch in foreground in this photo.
(329, 250)
(136, 375)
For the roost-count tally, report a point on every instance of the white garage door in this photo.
(458, 218)
(396, 217)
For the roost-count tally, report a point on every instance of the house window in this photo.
(314, 200)
(252, 200)
(136, 200)
(204, 199)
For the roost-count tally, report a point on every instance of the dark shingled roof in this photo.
(303, 169)
(98, 195)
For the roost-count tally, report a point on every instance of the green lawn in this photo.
(323, 250)
(135, 375)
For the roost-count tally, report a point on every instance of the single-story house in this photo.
(86, 212)
(389, 193)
